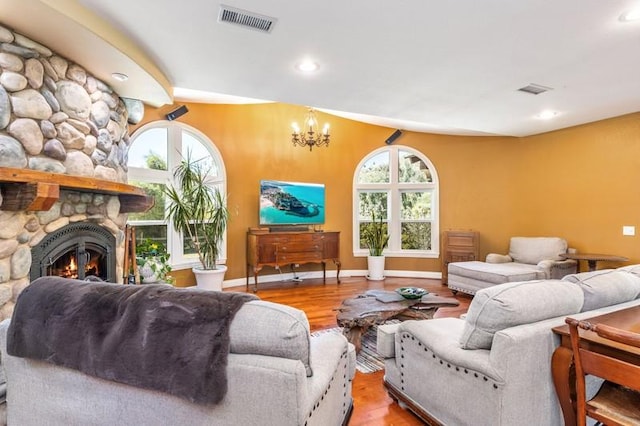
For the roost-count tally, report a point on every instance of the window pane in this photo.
(156, 233)
(188, 248)
(375, 169)
(196, 150)
(372, 202)
(412, 169)
(365, 225)
(415, 205)
(416, 236)
(157, 211)
(149, 150)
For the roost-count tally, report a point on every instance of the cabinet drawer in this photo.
(298, 257)
(460, 257)
(296, 247)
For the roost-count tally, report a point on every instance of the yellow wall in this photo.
(578, 183)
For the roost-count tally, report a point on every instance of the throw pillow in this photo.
(606, 287)
(507, 305)
(272, 329)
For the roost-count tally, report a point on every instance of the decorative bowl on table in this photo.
(411, 292)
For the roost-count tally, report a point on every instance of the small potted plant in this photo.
(376, 238)
(199, 211)
(153, 261)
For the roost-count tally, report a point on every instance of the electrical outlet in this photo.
(629, 230)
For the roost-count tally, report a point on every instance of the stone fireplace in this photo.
(63, 169)
(77, 250)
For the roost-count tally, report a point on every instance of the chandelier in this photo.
(310, 136)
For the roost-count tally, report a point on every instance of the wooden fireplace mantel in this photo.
(33, 190)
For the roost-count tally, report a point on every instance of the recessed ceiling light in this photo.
(547, 114)
(630, 15)
(119, 76)
(307, 66)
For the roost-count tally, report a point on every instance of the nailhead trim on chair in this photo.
(406, 336)
(345, 407)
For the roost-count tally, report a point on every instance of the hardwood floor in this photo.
(372, 405)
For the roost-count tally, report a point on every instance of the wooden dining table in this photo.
(562, 359)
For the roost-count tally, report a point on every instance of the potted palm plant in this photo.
(199, 210)
(376, 238)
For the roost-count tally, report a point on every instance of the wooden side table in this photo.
(592, 258)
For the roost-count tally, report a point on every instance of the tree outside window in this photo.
(155, 150)
(399, 185)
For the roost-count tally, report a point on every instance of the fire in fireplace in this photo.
(78, 250)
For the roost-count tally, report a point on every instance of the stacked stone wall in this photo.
(20, 231)
(56, 117)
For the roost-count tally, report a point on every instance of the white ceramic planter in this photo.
(376, 268)
(210, 279)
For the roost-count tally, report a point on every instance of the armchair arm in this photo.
(561, 268)
(498, 258)
(557, 269)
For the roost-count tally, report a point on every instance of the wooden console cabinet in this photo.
(458, 246)
(278, 249)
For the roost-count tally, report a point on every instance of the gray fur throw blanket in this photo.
(150, 336)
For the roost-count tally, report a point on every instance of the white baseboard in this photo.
(331, 274)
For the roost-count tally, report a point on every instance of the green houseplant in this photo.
(199, 210)
(376, 238)
(153, 261)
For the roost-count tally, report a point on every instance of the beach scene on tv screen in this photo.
(286, 203)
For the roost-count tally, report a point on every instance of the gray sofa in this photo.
(529, 258)
(271, 355)
(494, 366)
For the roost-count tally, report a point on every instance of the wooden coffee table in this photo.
(357, 314)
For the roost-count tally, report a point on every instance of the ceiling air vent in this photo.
(246, 19)
(534, 89)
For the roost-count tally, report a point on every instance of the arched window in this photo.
(399, 185)
(155, 150)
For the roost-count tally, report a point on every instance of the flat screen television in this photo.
(291, 203)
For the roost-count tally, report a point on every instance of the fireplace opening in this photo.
(78, 250)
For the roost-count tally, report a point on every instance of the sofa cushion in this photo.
(634, 269)
(606, 287)
(506, 305)
(272, 329)
(534, 249)
(496, 273)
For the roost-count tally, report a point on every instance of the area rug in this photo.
(367, 360)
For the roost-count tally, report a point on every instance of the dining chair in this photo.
(618, 400)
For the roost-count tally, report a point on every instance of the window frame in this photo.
(394, 190)
(175, 129)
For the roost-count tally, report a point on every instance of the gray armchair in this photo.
(529, 258)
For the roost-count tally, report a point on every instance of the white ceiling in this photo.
(450, 67)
